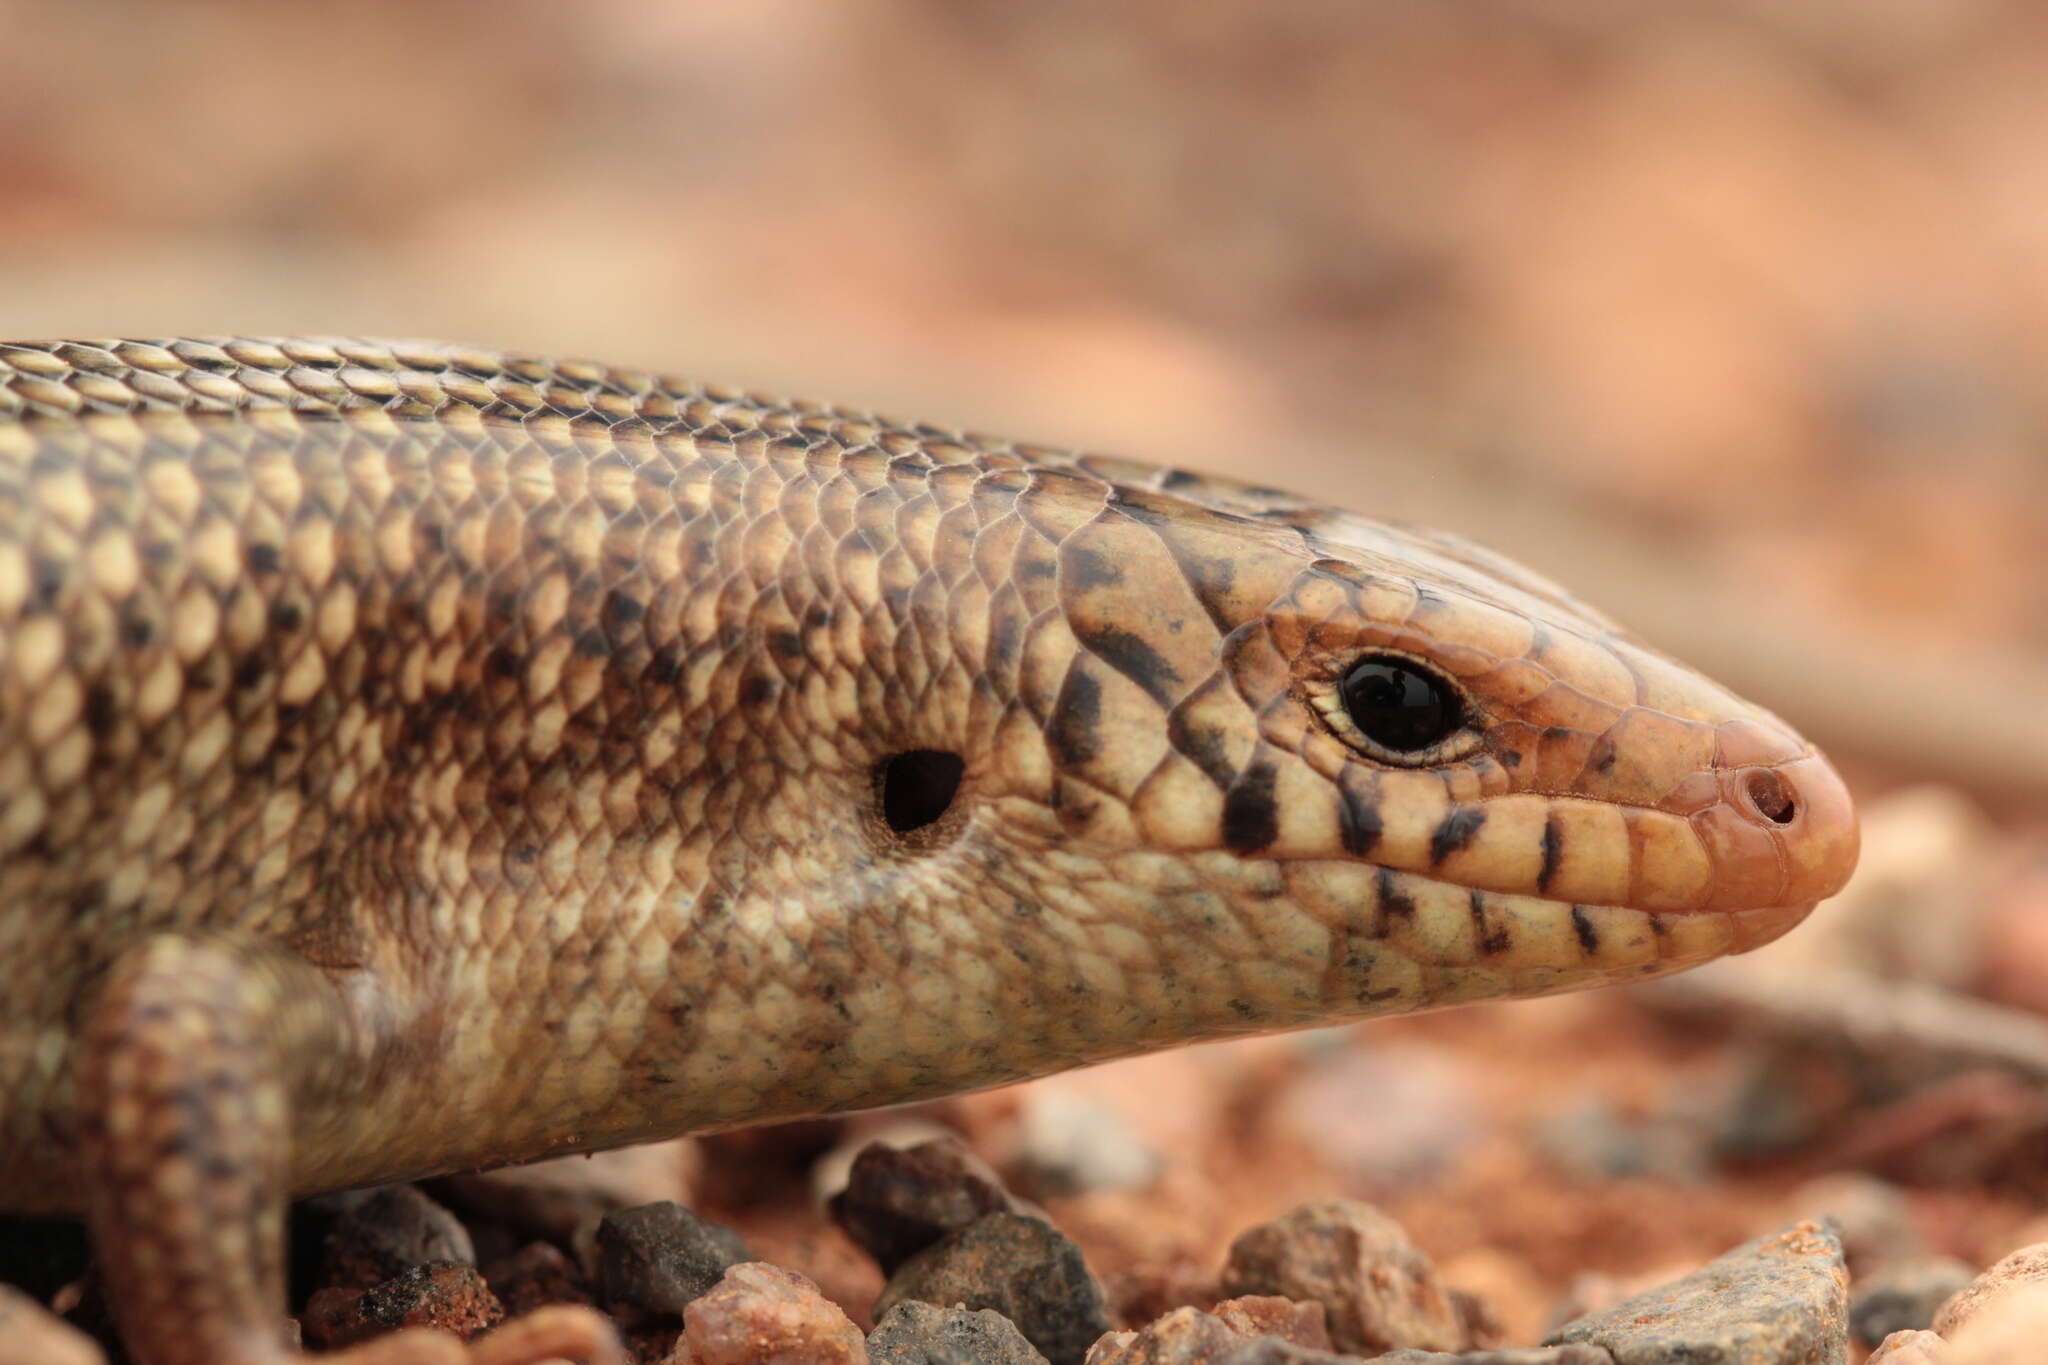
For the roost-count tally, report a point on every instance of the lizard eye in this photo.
(1397, 710)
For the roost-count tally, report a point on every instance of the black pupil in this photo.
(1399, 705)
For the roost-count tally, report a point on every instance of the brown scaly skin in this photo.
(414, 759)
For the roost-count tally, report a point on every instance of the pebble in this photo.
(760, 1314)
(1069, 1144)
(1379, 1290)
(1910, 1348)
(447, 1295)
(1779, 1298)
(386, 1232)
(830, 1172)
(660, 1257)
(1576, 1354)
(1269, 1315)
(898, 1201)
(538, 1273)
(915, 1333)
(1904, 1296)
(2006, 1329)
(32, 1335)
(1188, 1336)
(2028, 1265)
(1023, 1268)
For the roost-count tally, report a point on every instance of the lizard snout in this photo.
(1779, 838)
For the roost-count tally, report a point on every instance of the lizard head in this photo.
(1247, 763)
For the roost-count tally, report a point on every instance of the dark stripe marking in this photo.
(1553, 852)
(1457, 831)
(1589, 937)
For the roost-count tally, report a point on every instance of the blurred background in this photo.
(1733, 317)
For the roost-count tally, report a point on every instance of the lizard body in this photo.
(417, 759)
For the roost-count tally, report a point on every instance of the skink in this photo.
(415, 758)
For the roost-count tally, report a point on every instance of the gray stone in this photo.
(916, 1333)
(1023, 1268)
(898, 1201)
(1782, 1298)
(661, 1257)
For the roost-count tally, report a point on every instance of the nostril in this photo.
(1771, 795)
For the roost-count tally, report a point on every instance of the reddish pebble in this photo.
(1378, 1288)
(2006, 1329)
(446, 1295)
(759, 1314)
(1910, 1348)
(2028, 1265)
(1268, 1315)
(1188, 1336)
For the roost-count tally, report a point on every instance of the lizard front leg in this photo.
(195, 1058)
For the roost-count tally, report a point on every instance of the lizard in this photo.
(415, 758)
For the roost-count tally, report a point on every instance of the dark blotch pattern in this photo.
(1394, 902)
(1251, 819)
(1133, 657)
(1358, 822)
(1494, 939)
(1072, 729)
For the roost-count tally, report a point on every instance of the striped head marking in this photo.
(1320, 766)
